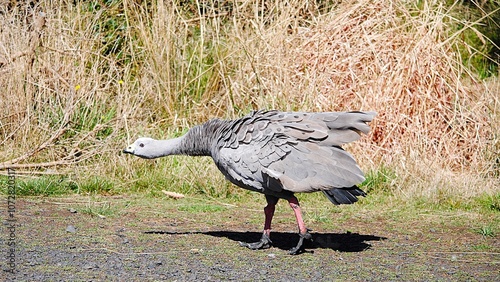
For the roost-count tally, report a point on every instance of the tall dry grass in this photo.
(79, 81)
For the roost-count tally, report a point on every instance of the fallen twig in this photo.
(173, 194)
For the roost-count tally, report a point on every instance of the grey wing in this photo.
(247, 147)
(298, 152)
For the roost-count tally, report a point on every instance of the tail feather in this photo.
(346, 196)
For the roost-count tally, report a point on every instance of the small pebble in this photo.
(91, 266)
(72, 210)
(70, 229)
(271, 255)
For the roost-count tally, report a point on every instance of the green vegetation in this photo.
(380, 180)
(41, 186)
(487, 231)
(58, 186)
(201, 208)
(101, 209)
(478, 26)
(95, 184)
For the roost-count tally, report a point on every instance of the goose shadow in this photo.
(342, 242)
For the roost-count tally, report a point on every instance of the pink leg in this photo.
(265, 242)
(269, 213)
(294, 203)
(303, 232)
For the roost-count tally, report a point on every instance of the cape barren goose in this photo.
(277, 154)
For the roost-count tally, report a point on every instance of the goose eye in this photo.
(141, 145)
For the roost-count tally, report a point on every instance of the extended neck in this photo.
(197, 141)
(162, 148)
(193, 143)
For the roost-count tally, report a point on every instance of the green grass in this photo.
(201, 208)
(96, 185)
(489, 202)
(487, 231)
(51, 186)
(379, 180)
(319, 216)
(181, 174)
(317, 209)
(99, 209)
(41, 186)
(482, 247)
(87, 118)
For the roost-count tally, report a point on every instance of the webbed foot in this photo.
(264, 243)
(299, 248)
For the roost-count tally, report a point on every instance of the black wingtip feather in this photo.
(339, 196)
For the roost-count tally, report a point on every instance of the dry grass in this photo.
(84, 83)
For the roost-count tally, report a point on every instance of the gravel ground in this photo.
(144, 245)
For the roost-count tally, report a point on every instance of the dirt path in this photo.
(150, 241)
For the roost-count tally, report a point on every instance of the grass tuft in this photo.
(489, 202)
(379, 181)
(95, 185)
(486, 231)
(99, 209)
(45, 186)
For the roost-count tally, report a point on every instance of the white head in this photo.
(143, 147)
(149, 148)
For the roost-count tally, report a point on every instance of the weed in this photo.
(482, 247)
(486, 231)
(99, 209)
